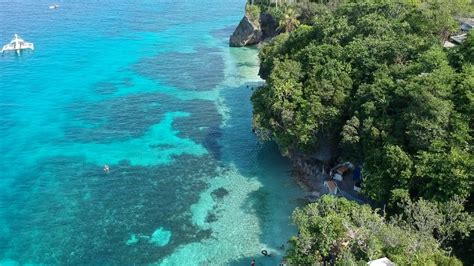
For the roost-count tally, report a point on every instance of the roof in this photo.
(342, 169)
(448, 44)
(381, 262)
(459, 38)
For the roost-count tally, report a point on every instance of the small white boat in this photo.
(17, 44)
(55, 6)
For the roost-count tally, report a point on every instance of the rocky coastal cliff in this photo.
(253, 31)
(309, 171)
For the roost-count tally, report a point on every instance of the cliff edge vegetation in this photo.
(373, 76)
(342, 232)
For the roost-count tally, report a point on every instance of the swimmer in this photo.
(106, 169)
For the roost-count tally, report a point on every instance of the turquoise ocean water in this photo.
(152, 89)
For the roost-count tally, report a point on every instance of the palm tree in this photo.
(289, 22)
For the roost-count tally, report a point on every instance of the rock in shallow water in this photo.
(247, 33)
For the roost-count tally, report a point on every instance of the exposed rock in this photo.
(311, 170)
(250, 32)
(309, 173)
(247, 33)
(268, 25)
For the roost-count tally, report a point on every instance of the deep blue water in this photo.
(152, 89)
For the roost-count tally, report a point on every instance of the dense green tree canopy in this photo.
(374, 74)
(350, 234)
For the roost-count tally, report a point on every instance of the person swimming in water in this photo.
(106, 169)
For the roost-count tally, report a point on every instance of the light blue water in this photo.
(152, 89)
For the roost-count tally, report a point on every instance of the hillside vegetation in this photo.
(373, 74)
(337, 230)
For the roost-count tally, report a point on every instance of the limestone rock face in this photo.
(247, 33)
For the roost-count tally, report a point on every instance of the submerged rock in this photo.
(160, 237)
(220, 193)
(247, 33)
(211, 217)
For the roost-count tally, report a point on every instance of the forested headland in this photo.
(374, 77)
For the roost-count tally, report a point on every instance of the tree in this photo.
(467, 49)
(437, 17)
(289, 22)
(373, 76)
(441, 220)
(335, 229)
(390, 168)
(443, 175)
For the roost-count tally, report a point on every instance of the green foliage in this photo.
(253, 12)
(443, 221)
(466, 50)
(276, 13)
(437, 16)
(463, 97)
(375, 74)
(289, 21)
(354, 234)
(443, 174)
(388, 169)
(307, 11)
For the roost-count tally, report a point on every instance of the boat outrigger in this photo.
(17, 44)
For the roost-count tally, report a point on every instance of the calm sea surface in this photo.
(151, 89)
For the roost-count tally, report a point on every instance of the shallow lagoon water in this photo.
(151, 89)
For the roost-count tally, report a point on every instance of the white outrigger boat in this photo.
(17, 44)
